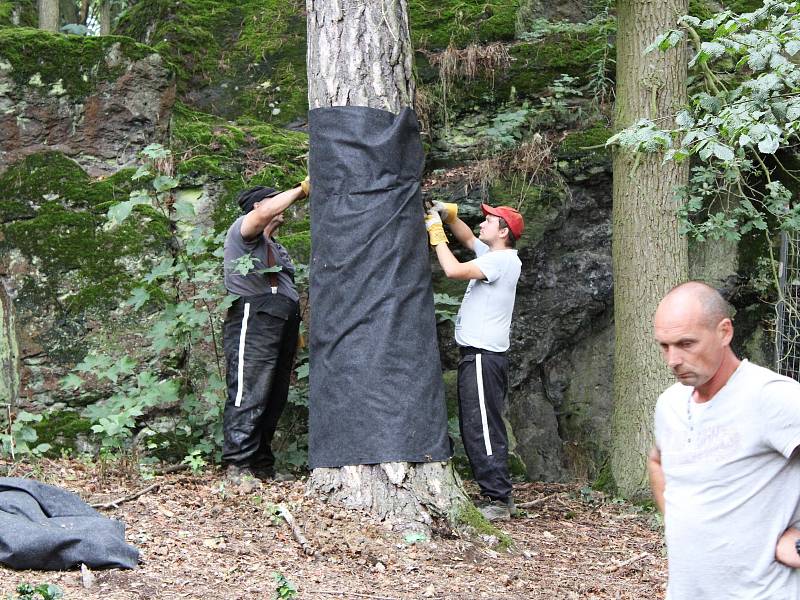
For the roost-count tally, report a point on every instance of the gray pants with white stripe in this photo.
(482, 386)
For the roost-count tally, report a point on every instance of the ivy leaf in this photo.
(155, 152)
(71, 382)
(768, 145)
(723, 152)
(139, 296)
(163, 183)
(184, 209)
(142, 171)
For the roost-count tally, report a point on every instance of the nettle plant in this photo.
(741, 126)
(169, 392)
(177, 371)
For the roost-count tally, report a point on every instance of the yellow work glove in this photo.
(447, 210)
(433, 223)
(306, 185)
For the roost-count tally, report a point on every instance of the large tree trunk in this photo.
(48, 15)
(360, 54)
(649, 255)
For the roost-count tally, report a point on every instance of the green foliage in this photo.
(179, 299)
(43, 591)
(446, 307)
(19, 436)
(735, 129)
(283, 587)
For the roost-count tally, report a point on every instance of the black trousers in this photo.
(482, 387)
(260, 340)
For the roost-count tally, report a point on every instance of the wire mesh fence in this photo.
(787, 322)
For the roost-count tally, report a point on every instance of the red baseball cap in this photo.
(509, 215)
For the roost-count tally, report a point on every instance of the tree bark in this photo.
(48, 15)
(360, 54)
(105, 18)
(69, 11)
(649, 255)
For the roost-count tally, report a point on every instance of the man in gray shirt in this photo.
(260, 333)
(482, 334)
(724, 471)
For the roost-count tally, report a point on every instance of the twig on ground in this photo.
(134, 496)
(626, 563)
(536, 502)
(297, 533)
(171, 469)
(349, 594)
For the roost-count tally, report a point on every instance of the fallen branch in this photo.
(297, 533)
(628, 562)
(536, 502)
(116, 503)
(349, 594)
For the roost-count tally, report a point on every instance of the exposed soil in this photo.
(199, 539)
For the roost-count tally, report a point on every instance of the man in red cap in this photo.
(482, 333)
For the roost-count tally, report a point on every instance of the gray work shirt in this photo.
(254, 283)
(484, 319)
(732, 486)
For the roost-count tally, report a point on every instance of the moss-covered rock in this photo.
(435, 25)
(21, 13)
(64, 264)
(83, 62)
(100, 101)
(232, 58)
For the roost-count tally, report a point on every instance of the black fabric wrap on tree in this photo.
(43, 527)
(376, 389)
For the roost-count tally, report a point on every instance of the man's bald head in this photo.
(698, 296)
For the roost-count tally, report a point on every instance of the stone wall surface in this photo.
(100, 102)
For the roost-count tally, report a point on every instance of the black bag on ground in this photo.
(43, 527)
(376, 389)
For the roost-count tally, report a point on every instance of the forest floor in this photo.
(201, 539)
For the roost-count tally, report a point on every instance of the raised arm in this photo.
(452, 268)
(459, 229)
(257, 219)
(657, 482)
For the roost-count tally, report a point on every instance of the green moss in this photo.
(240, 155)
(472, 518)
(61, 429)
(83, 62)
(26, 14)
(604, 482)
(579, 144)
(62, 233)
(435, 25)
(536, 65)
(232, 58)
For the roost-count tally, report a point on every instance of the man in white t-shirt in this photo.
(725, 472)
(482, 333)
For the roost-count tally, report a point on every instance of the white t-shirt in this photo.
(732, 486)
(484, 319)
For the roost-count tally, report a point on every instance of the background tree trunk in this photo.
(105, 18)
(649, 255)
(48, 15)
(69, 11)
(360, 54)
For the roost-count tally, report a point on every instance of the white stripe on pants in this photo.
(240, 376)
(482, 404)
